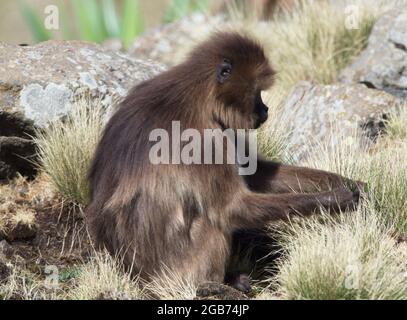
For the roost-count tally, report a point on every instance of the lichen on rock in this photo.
(39, 83)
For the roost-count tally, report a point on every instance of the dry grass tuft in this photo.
(23, 285)
(396, 126)
(274, 135)
(352, 257)
(313, 41)
(16, 206)
(386, 173)
(103, 278)
(382, 168)
(356, 255)
(66, 149)
(171, 285)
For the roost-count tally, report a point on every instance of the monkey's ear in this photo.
(224, 70)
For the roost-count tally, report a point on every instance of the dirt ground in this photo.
(39, 233)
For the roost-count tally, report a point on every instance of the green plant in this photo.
(97, 21)
(181, 8)
(39, 32)
(68, 274)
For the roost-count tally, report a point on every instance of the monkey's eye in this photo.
(224, 70)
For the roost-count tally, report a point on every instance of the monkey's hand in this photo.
(344, 199)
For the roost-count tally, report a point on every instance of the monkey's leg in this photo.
(251, 244)
(253, 210)
(272, 177)
(239, 281)
(251, 251)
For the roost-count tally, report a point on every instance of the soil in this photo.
(57, 240)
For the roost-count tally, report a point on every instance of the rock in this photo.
(16, 155)
(113, 44)
(383, 64)
(170, 43)
(313, 111)
(218, 291)
(39, 83)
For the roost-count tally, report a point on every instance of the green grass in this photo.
(96, 20)
(100, 20)
(180, 8)
(34, 22)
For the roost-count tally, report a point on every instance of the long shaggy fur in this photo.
(184, 216)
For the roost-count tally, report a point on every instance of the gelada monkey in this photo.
(184, 216)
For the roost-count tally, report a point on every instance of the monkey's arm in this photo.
(253, 210)
(272, 177)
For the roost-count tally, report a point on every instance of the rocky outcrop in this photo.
(383, 64)
(38, 84)
(313, 112)
(170, 43)
(16, 155)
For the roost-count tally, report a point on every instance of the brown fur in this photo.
(184, 216)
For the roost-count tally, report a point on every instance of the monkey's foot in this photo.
(241, 282)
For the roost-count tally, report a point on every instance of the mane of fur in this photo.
(150, 213)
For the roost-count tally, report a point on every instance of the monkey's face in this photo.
(239, 90)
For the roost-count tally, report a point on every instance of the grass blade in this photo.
(132, 24)
(110, 18)
(176, 10)
(90, 19)
(38, 30)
